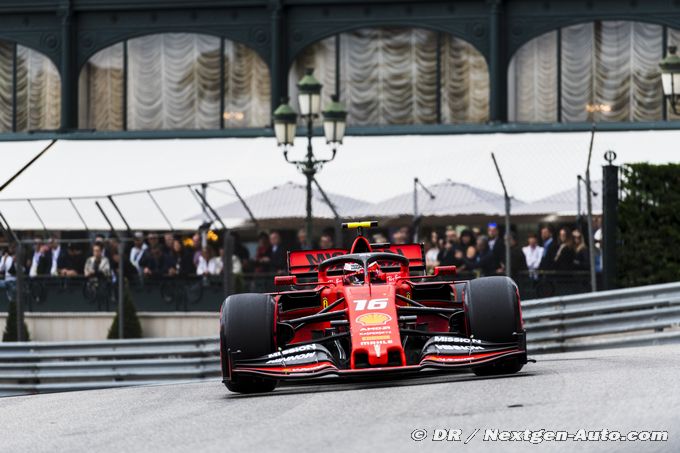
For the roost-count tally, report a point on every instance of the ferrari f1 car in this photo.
(370, 311)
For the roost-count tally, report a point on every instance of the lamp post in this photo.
(670, 78)
(285, 122)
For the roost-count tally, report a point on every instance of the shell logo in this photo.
(374, 319)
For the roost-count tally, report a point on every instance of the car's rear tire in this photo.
(247, 330)
(493, 314)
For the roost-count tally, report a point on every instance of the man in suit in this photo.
(278, 254)
(496, 245)
(549, 249)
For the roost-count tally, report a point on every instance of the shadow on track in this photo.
(342, 385)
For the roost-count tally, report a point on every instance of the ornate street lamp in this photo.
(285, 119)
(670, 77)
(285, 122)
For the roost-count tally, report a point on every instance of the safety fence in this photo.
(628, 317)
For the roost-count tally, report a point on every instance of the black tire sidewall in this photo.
(492, 309)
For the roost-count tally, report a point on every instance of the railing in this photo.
(36, 367)
(626, 317)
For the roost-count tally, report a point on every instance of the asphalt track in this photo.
(623, 390)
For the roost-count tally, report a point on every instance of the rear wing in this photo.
(305, 263)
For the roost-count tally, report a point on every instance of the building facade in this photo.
(152, 68)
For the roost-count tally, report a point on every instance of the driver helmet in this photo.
(353, 273)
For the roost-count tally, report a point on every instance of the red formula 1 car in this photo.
(369, 311)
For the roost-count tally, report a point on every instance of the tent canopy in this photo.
(563, 203)
(289, 201)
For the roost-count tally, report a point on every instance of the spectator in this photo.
(278, 254)
(205, 261)
(326, 241)
(240, 251)
(302, 243)
(447, 255)
(484, 261)
(152, 240)
(55, 249)
(155, 264)
(496, 244)
(129, 271)
(263, 254)
(467, 239)
(401, 236)
(7, 267)
(137, 252)
(581, 254)
(517, 259)
(168, 239)
(451, 234)
(97, 265)
(41, 262)
(433, 250)
(549, 249)
(180, 260)
(564, 259)
(71, 262)
(533, 254)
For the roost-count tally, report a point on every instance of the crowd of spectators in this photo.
(152, 255)
(472, 250)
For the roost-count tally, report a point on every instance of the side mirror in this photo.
(444, 270)
(284, 280)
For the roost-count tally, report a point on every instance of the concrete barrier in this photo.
(79, 326)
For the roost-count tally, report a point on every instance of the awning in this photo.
(450, 199)
(564, 203)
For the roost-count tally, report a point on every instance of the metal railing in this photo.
(42, 367)
(627, 317)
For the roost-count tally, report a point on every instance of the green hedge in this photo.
(649, 225)
(10, 333)
(132, 328)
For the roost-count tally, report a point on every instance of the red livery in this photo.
(369, 311)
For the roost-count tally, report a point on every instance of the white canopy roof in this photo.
(289, 201)
(450, 199)
(366, 168)
(563, 203)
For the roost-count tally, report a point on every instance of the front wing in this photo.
(313, 361)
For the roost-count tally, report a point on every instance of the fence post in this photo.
(19, 290)
(227, 260)
(610, 201)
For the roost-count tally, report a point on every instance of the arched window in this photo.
(390, 76)
(174, 81)
(597, 71)
(30, 90)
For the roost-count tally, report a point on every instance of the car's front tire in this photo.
(493, 314)
(247, 331)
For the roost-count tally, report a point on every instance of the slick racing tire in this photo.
(492, 309)
(247, 330)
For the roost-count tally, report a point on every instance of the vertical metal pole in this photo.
(578, 200)
(19, 267)
(508, 260)
(69, 77)
(309, 171)
(497, 70)
(415, 211)
(121, 288)
(589, 205)
(610, 201)
(228, 268)
(206, 217)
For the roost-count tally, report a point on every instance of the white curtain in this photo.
(321, 57)
(389, 76)
(173, 82)
(532, 79)
(100, 88)
(247, 87)
(609, 72)
(38, 91)
(6, 83)
(673, 39)
(465, 82)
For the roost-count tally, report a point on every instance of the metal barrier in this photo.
(626, 317)
(41, 367)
